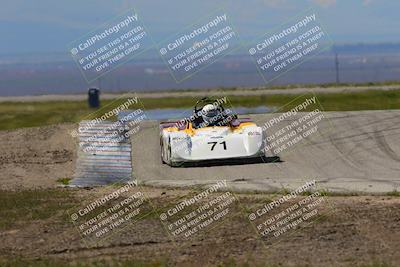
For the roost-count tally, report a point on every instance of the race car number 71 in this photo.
(215, 143)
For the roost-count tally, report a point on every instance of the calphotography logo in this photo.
(299, 121)
(107, 47)
(105, 216)
(291, 44)
(200, 212)
(199, 45)
(286, 213)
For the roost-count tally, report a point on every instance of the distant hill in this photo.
(367, 48)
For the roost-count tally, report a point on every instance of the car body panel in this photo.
(179, 145)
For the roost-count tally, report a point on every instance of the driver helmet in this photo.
(208, 112)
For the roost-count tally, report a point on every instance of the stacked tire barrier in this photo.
(104, 155)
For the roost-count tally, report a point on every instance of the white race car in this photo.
(212, 133)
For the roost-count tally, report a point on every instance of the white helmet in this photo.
(208, 112)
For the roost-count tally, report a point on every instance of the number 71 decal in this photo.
(215, 143)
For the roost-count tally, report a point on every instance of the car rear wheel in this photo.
(169, 153)
(162, 151)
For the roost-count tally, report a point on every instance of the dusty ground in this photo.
(36, 157)
(355, 231)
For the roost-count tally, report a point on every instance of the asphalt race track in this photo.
(351, 152)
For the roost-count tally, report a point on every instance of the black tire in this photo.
(169, 152)
(162, 151)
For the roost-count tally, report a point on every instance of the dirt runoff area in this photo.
(36, 157)
(349, 231)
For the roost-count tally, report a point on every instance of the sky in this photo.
(48, 26)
